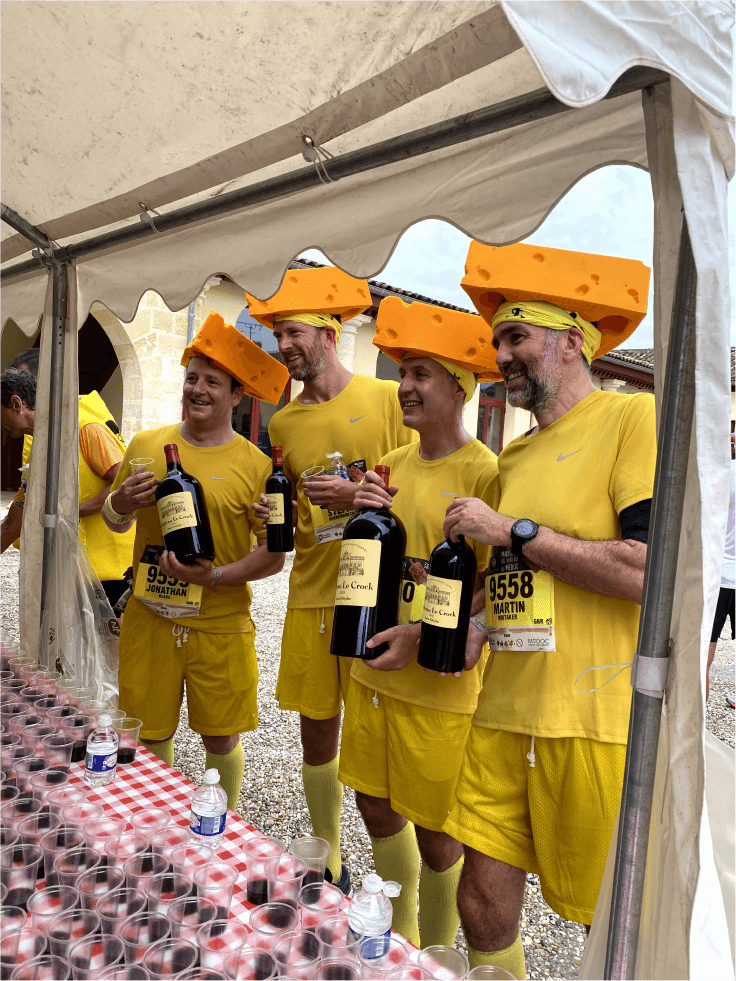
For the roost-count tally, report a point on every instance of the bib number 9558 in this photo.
(510, 586)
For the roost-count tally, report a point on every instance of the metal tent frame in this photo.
(678, 399)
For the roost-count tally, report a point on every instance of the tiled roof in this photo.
(639, 357)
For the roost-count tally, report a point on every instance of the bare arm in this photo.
(11, 526)
(134, 493)
(258, 564)
(94, 504)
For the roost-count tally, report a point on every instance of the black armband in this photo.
(635, 521)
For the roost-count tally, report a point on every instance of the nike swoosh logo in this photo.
(450, 493)
(561, 458)
(212, 477)
(359, 417)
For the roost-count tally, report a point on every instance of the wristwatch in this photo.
(523, 531)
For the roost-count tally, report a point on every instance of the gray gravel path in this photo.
(272, 798)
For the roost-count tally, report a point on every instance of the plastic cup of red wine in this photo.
(97, 882)
(57, 749)
(141, 930)
(53, 844)
(79, 726)
(317, 901)
(188, 914)
(33, 736)
(314, 852)
(43, 968)
(285, 876)
(127, 730)
(46, 781)
(268, 921)
(91, 956)
(70, 865)
(339, 937)
(251, 963)
(18, 947)
(170, 957)
(24, 770)
(297, 954)
(18, 867)
(258, 852)
(164, 889)
(216, 882)
(19, 809)
(138, 869)
(115, 907)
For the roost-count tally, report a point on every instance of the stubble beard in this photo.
(541, 388)
(309, 371)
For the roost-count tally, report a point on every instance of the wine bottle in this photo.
(182, 511)
(368, 580)
(279, 527)
(447, 602)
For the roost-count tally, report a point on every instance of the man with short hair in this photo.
(190, 624)
(360, 418)
(568, 520)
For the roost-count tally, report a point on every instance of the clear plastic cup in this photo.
(98, 833)
(251, 963)
(218, 939)
(164, 842)
(60, 711)
(118, 850)
(79, 815)
(258, 852)
(317, 901)
(32, 829)
(20, 946)
(12, 919)
(270, 920)
(44, 705)
(24, 770)
(216, 882)
(442, 961)
(57, 800)
(188, 858)
(163, 890)
(91, 956)
(297, 954)
(311, 472)
(16, 810)
(188, 914)
(10, 739)
(124, 972)
(314, 852)
(18, 869)
(73, 862)
(57, 749)
(285, 877)
(201, 974)
(19, 722)
(141, 461)
(169, 958)
(32, 736)
(149, 819)
(9, 836)
(141, 930)
(338, 937)
(489, 972)
(114, 907)
(140, 868)
(78, 725)
(10, 756)
(409, 972)
(127, 730)
(32, 693)
(53, 844)
(3, 893)
(96, 708)
(345, 967)
(47, 903)
(392, 954)
(46, 781)
(43, 968)
(97, 882)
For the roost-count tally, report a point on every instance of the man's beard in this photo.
(541, 388)
(309, 371)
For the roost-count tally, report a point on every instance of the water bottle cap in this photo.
(373, 884)
(212, 776)
(391, 889)
(105, 721)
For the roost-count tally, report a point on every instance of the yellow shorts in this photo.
(157, 657)
(408, 753)
(555, 818)
(311, 681)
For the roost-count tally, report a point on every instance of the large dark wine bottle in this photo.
(368, 579)
(447, 602)
(182, 511)
(279, 528)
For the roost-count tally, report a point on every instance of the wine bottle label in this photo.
(166, 595)
(520, 605)
(275, 509)
(442, 602)
(413, 587)
(357, 575)
(176, 511)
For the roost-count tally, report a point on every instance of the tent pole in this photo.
(678, 402)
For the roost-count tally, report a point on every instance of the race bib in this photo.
(328, 525)
(176, 511)
(520, 605)
(275, 509)
(166, 595)
(413, 588)
(357, 574)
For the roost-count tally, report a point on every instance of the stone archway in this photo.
(132, 416)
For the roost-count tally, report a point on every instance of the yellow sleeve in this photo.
(27, 444)
(99, 448)
(632, 478)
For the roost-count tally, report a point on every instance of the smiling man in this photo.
(567, 518)
(359, 418)
(190, 625)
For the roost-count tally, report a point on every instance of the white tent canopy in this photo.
(114, 108)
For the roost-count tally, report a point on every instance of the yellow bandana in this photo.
(544, 314)
(314, 319)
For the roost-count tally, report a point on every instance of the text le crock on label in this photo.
(357, 576)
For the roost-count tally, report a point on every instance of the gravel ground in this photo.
(272, 798)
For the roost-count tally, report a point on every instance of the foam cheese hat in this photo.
(262, 376)
(428, 331)
(326, 290)
(610, 292)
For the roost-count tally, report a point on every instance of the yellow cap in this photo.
(325, 290)
(424, 330)
(262, 376)
(610, 292)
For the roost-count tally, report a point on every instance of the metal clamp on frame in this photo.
(313, 153)
(649, 675)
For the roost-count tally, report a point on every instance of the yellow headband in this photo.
(314, 319)
(464, 377)
(544, 314)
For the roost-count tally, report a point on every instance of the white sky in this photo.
(609, 212)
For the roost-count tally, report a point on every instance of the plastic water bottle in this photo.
(207, 815)
(102, 754)
(371, 910)
(338, 468)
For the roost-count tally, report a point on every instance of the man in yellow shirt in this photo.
(190, 624)
(100, 455)
(568, 520)
(359, 418)
(405, 728)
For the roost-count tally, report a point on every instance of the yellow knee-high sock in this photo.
(164, 749)
(397, 858)
(511, 958)
(324, 799)
(231, 767)
(438, 904)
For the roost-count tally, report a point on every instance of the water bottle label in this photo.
(101, 762)
(207, 824)
(374, 947)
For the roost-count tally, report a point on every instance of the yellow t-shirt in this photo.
(575, 476)
(426, 488)
(362, 423)
(232, 476)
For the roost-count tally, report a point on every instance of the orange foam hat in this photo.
(465, 339)
(325, 290)
(610, 292)
(262, 376)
